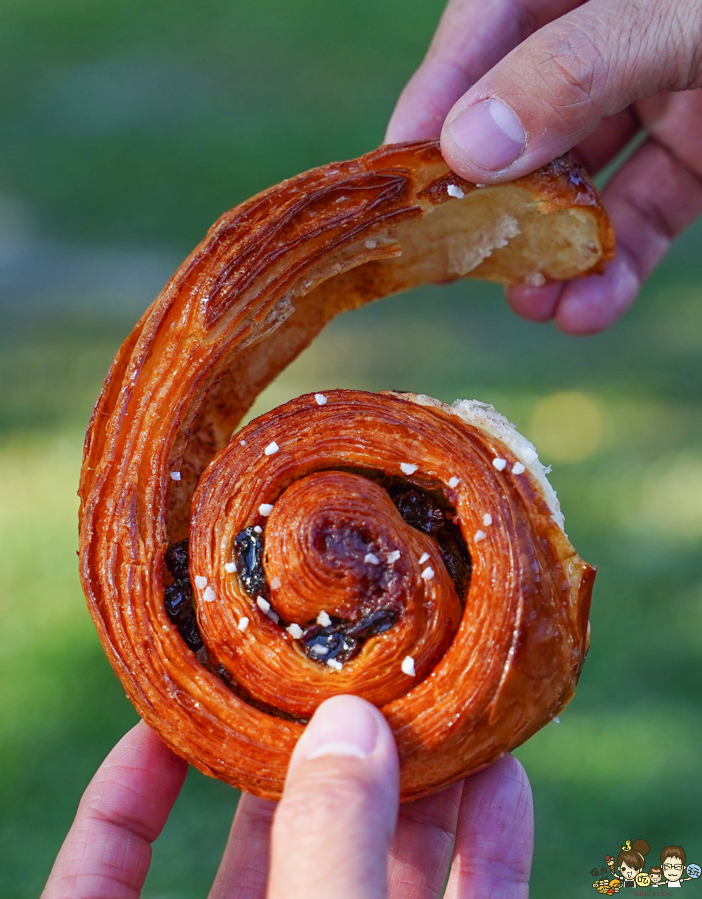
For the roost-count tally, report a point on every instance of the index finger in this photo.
(108, 849)
(471, 38)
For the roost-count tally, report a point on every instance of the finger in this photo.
(334, 824)
(420, 856)
(471, 38)
(243, 871)
(539, 304)
(608, 139)
(495, 836)
(553, 90)
(108, 849)
(650, 201)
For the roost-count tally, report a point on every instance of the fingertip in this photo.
(456, 161)
(422, 107)
(537, 304)
(508, 767)
(415, 116)
(346, 726)
(143, 740)
(505, 772)
(593, 304)
(143, 734)
(484, 136)
(495, 834)
(140, 765)
(405, 127)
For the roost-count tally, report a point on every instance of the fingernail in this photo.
(343, 725)
(488, 135)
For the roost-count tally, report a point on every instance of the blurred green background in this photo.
(127, 127)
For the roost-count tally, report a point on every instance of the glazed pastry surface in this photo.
(352, 531)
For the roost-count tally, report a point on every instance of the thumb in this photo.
(333, 826)
(554, 89)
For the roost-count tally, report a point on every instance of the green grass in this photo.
(132, 125)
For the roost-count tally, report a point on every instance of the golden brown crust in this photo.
(266, 279)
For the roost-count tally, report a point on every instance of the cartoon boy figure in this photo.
(656, 875)
(673, 865)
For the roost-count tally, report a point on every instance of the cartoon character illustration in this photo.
(630, 861)
(656, 875)
(673, 864)
(604, 885)
(609, 887)
(630, 864)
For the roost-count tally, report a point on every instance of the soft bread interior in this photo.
(487, 419)
(503, 234)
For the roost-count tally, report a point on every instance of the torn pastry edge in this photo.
(487, 419)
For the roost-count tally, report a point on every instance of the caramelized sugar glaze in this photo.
(187, 532)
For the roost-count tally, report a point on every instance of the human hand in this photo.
(335, 833)
(511, 84)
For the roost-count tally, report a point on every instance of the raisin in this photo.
(249, 562)
(178, 600)
(177, 559)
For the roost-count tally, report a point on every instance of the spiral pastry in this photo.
(385, 545)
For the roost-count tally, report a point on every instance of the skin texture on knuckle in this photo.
(501, 871)
(570, 67)
(670, 44)
(95, 813)
(660, 44)
(687, 29)
(600, 58)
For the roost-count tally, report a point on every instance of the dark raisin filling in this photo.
(177, 559)
(342, 640)
(426, 509)
(248, 547)
(180, 609)
(248, 553)
(429, 511)
(179, 596)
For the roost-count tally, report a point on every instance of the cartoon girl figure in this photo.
(673, 864)
(630, 862)
(656, 875)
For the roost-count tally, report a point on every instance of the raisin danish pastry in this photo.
(381, 544)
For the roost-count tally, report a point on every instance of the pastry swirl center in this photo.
(335, 543)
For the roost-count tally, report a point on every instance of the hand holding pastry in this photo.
(336, 831)
(510, 85)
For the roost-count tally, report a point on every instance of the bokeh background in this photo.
(125, 129)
